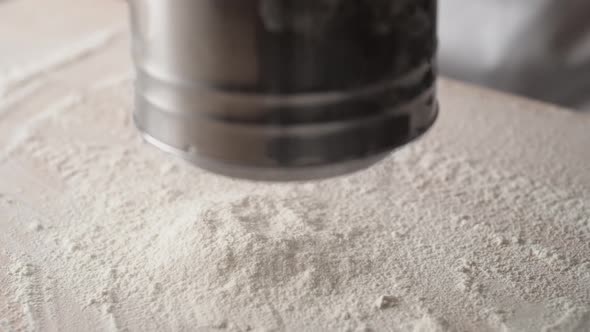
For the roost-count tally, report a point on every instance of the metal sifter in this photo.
(284, 89)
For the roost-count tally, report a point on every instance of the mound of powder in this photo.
(104, 232)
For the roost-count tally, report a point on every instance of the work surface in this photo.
(484, 224)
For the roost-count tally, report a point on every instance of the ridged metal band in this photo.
(266, 127)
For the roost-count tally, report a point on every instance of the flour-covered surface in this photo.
(484, 224)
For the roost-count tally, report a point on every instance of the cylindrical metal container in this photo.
(284, 89)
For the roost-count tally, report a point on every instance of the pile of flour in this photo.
(104, 232)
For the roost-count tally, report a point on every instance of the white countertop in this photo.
(491, 208)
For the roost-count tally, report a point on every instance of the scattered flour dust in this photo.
(107, 233)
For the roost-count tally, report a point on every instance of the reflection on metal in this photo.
(284, 89)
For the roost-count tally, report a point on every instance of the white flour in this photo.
(105, 233)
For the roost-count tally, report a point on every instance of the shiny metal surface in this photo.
(284, 89)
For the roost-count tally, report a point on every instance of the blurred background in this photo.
(535, 48)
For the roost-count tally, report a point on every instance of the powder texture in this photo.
(428, 240)
(483, 225)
